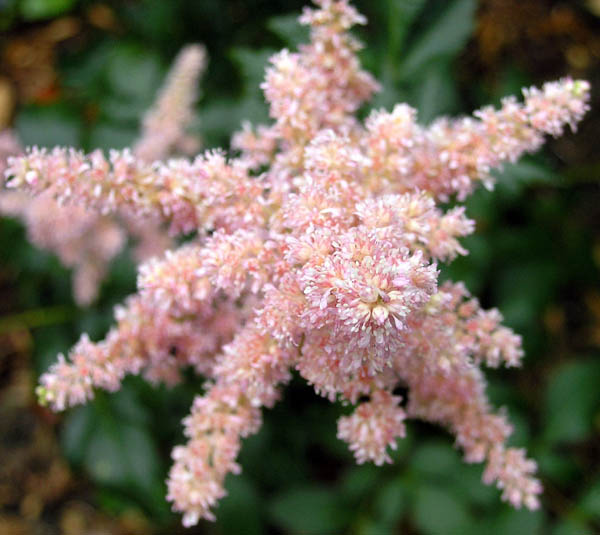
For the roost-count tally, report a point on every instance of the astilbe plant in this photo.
(85, 240)
(316, 250)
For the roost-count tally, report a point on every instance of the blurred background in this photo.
(82, 72)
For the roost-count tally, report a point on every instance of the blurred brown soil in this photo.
(39, 494)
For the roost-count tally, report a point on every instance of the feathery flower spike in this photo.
(326, 263)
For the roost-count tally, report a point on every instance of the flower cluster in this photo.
(316, 249)
(85, 240)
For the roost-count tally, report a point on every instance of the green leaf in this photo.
(523, 289)
(309, 510)
(225, 116)
(115, 448)
(252, 64)
(122, 455)
(468, 483)
(519, 521)
(39, 9)
(134, 73)
(48, 127)
(390, 94)
(438, 511)
(50, 341)
(107, 136)
(140, 454)
(571, 527)
(120, 109)
(434, 91)
(76, 432)
(401, 16)
(8, 13)
(86, 73)
(436, 461)
(590, 502)
(556, 465)
(369, 526)
(127, 405)
(289, 30)
(572, 401)
(240, 511)
(404, 446)
(391, 501)
(515, 176)
(521, 428)
(359, 480)
(444, 37)
(104, 457)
